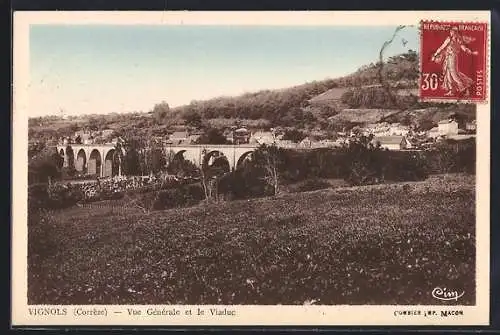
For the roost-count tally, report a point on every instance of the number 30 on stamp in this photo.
(453, 61)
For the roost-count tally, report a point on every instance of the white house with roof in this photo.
(241, 136)
(392, 142)
(471, 126)
(448, 127)
(262, 137)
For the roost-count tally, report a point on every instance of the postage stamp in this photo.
(453, 61)
(250, 168)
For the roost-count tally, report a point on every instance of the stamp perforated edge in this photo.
(485, 100)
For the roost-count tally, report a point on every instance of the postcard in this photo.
(307, 168)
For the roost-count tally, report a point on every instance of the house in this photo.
(470, 126)
(286, 144)
(433, 133)
(107, 132)
(228, 134)
(329, 143)
(306, 143)
(193, 138)
(448, 127)
(262, 137)
(392, 142)
(89, 140)
(178, 137)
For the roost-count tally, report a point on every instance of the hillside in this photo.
(359, 245)
(325, 105)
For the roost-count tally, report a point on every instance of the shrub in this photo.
(53, 196)
(452, 156)
(61, 196)
(367, 164)
(244, 183)
(186, 195)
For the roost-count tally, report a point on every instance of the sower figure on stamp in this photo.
(448, 53)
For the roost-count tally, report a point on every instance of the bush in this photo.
(403, 166)
(244, 183)
(367, 164)
(452, 156)
(62, 196)
(183, 196)
(54, 196)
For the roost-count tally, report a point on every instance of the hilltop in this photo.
(325, 105)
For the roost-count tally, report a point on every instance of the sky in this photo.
(100, 69)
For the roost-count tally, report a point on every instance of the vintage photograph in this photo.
(183, 164)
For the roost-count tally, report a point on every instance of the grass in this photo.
(384, 244)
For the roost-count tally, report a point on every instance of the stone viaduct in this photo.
(97, 159)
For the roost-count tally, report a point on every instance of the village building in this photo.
(286, 144)
(228, 134)
(241, 136)
(193, 138)
(470, 126)
(178, 137)
(448, 127)
(329, 143)
(392, 142)
(107, 133)
(262, 137)
(306, 143)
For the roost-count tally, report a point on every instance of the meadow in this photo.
(380, 244)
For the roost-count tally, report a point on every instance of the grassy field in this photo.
(384, 244)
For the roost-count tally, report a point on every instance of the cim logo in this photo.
(446, 294)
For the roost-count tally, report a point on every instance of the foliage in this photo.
(160, 112)
(294, 135)
(182, 167)
(131, 159)
(244, 183)
(53, 196)
(367, 163)
(192, 119)
(186, 195)
(375, 97)
(44, 165)
(453, 156)
(212, 136)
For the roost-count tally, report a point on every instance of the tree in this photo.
(131, 159)
(93, 124)
(179, 166)
(192, 119)
(363, 162)
(267, 159)
(160, 111)
(118, 156)
(71, 157)
(294, 135)
(45, 165)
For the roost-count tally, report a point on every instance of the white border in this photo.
(245, 315)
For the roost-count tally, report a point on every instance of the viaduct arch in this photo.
(97, 159)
